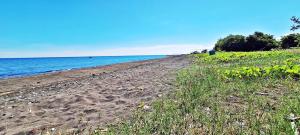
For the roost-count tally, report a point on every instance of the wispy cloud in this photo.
(142, 50)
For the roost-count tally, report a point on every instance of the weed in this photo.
(206, 103)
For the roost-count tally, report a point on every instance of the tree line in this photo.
(259, 41)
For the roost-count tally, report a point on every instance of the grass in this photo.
(207, 103)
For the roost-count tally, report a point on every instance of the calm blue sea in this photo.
(16, 67)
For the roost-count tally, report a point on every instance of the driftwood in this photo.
(262, 93)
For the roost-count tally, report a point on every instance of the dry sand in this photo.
(86, 97)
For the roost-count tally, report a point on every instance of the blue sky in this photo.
(38, 28)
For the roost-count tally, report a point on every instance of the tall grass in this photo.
(205, 103)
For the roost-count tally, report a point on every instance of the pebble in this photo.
(241, 124)
(147, 108)
(207, 109)
(11, 116)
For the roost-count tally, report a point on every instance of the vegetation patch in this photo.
(226, 57)
(281, 71)
(206, 103)
(258, 41)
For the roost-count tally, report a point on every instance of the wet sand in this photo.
(75, 99)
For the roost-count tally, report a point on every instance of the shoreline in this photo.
(59, 100)
(63, 70)
(84, 70)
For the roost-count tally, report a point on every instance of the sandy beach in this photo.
(89, 97)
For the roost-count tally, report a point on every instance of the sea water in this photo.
(18, 67)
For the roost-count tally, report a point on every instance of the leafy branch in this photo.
(296, 22)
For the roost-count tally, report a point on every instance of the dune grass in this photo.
(207, 103)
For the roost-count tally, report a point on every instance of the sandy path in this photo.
(73, 99)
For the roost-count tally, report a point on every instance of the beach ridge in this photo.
(61, 99)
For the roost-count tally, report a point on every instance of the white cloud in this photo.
(138, 50)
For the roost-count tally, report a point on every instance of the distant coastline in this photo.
(26, 67)
(56, 100)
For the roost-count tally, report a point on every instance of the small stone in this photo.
(141, 88)
(207, 109)
(32, 132)
(52, 129)
(104, 130)
(146, 107)
(241, 124)
(11, 116)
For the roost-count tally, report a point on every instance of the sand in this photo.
(91, 97)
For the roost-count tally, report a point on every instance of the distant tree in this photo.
(291, 40)
(260, 42)
(296, 22)
(255, 42)
(204, 51)
(195, 52)
(231, 43)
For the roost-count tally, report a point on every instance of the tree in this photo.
(255, 42)
(296, 22)
(291, 40)
(204, 51)
(231, 43)
(195, 52)
(260, 42)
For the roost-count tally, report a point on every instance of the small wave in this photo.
(15, 75)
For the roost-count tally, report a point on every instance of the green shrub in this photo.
(290, 68)
(231, 43)
(255, 42)
(205, 103)
(225, 57)
(291, 40)
(260, 42)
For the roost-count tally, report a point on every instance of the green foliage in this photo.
(260, 42)
(281, 71)
(296, 22)
(206, 103)
(255, 42)
(291, 40)
(289, 68)
(231, 43)
(225, 57)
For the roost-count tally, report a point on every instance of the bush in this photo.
(291, 40)
(195, 52)
(255, 42)
(289, 69)
(231, 43)
(226, 57)
(260, 42)
(204, 51)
